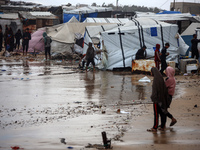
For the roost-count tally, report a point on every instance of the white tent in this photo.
(122, 42)
(165, 17)
(107, 20)
(191, 29)
(63, 35)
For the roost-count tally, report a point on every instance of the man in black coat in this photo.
(163, 56)
(141, 53)
(26, 38)
(194, 48)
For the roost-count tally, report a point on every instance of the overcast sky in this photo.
(162, 4)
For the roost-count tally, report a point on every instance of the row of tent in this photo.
(122, 40)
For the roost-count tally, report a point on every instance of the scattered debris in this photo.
(16, 147)
(145, 79)
(106, 142)
(97, 146)
(62, 140)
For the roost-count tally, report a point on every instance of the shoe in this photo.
(174, 121)
(152, 130)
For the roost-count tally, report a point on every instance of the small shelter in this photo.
(89, 11)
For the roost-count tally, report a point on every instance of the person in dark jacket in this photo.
(163, 54)
(18, 37)
(47, 43)
(1, 39)
(194, 48)
(141, 53)
(159, 99)
(157, 56)
(90, 56)
(9, 40)
(26, 38)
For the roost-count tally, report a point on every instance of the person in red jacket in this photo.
(157, 56)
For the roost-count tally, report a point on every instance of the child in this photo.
(170, 84)
(159, 99)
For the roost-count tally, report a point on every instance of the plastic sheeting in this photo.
(36, 44)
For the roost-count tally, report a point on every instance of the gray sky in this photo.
(162, 4)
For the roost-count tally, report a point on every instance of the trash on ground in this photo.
(144, 79)
(62, 140)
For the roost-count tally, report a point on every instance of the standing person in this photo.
(90, 56)
(141, 53)
(170, 83)
(11, 39)
(163, 54)
(157, 56)
(5, 35)
(1, 39)
(26, 37)
(194, 48)
(18, 37)
(159, 99)
(47, 43)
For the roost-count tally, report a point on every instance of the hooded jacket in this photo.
(159, 90)
(157, 57)
(170, 80)
(47, 40)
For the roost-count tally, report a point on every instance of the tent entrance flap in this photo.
(120, 38)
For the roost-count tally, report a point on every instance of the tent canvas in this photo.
(187, 35)
(83, 12)
(122, 42)
(107, 20)
(63, 35)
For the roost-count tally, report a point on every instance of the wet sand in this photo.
(43, 102)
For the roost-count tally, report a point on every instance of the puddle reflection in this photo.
(89, 84)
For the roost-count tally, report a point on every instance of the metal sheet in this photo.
(146, 65)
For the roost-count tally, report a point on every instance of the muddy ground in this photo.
(54, 105)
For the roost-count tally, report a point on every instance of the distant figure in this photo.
(1, 39)
(26, 37)
(90, 56)
(5, 35)
(157, 56)
(194, 48)
(18, 37)
(9, 40)
(159, 99)
(141, 53)
(163, 54)
(47, 43)
(170, 83)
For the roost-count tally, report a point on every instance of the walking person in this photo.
(26, 37)
(170, 83)
(18, 37)
(157, 56)
(90, 57)
(159, 99)
(47, 44)
(163, 54)
(1, 39)
(194, 48)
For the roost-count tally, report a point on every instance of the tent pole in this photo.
(120, 37)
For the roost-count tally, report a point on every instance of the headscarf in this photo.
(44, 36)
(170, 82)
(158, 46)
(159, 90)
